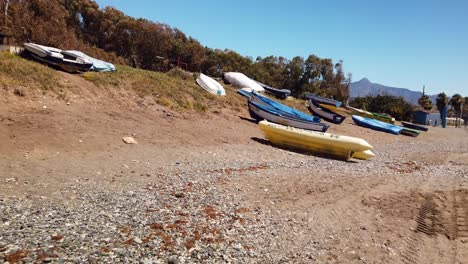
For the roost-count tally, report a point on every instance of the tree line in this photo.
(111, 35)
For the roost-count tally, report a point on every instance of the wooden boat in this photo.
(376, 125)
(334, 109)
(322, 100)
(410, 132)
(342, 147)
(279, 93)
(414, 126)
(211, 85)
(240, 80)
(261, 111)
(55, 57)
(326, 114)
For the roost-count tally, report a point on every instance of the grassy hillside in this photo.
(17, 73)
(176, 89)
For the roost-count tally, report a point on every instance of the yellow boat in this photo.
(338, 146)
(364, 155)
(338, 110)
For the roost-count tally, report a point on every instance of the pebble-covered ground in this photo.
(240, 202)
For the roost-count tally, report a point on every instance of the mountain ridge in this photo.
(365, 87)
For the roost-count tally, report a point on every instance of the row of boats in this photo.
(286, 126)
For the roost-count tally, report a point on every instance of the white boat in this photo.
(46, 54)
(98, 65)
(240, 80)
(210, 84)
(55, 57)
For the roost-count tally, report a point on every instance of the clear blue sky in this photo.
(397, 43)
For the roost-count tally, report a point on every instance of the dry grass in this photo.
(17, 73)
(176, 89)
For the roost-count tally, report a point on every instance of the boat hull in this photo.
(376, 125)
(240, 80)
(414, 126)
(260, 112)
(210, 85)
(325, 113)
(323, 100)
(343, 147)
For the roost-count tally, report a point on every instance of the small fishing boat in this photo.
(279, 93)
(246, 92)
(98, 65)
(210, 84)
(364, 113)
(410, 132)
(240, 80)
(376, 125)
(55, 57)
(325, 113)
(261, 111)
(338, 146)
(284, 108)
(322, 100)
(414, 126)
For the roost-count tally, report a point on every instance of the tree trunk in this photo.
(6, 11)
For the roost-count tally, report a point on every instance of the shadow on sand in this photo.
(248, 120)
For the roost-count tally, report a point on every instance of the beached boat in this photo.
(98, 65)
(342, 147)
(284, 108)
(211, 85)
(376, 125)
(364, 113)
(279, 93)
(261, 111)
(240, 80)
(334, 109)
(246, 92)
(414, 126)
(322, 100)
(325, 113)
(410, 132)
(55, 57)
(364, 155)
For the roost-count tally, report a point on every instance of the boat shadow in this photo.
(300, 151)
(253, 121)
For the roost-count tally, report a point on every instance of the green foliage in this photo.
(394, 106)
(456, 102)
(111, 35)
(425, 102)
(441, 102)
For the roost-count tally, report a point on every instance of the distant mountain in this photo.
(364, 87)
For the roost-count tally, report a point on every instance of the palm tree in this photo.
(456, 102)
(425, 102)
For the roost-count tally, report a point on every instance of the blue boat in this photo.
(260, 111)
(279, 93)
(322, 100)
(285, 108)
(244, 93)
(376, 125)
(324, 113)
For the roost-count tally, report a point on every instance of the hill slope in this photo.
(364, 87)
